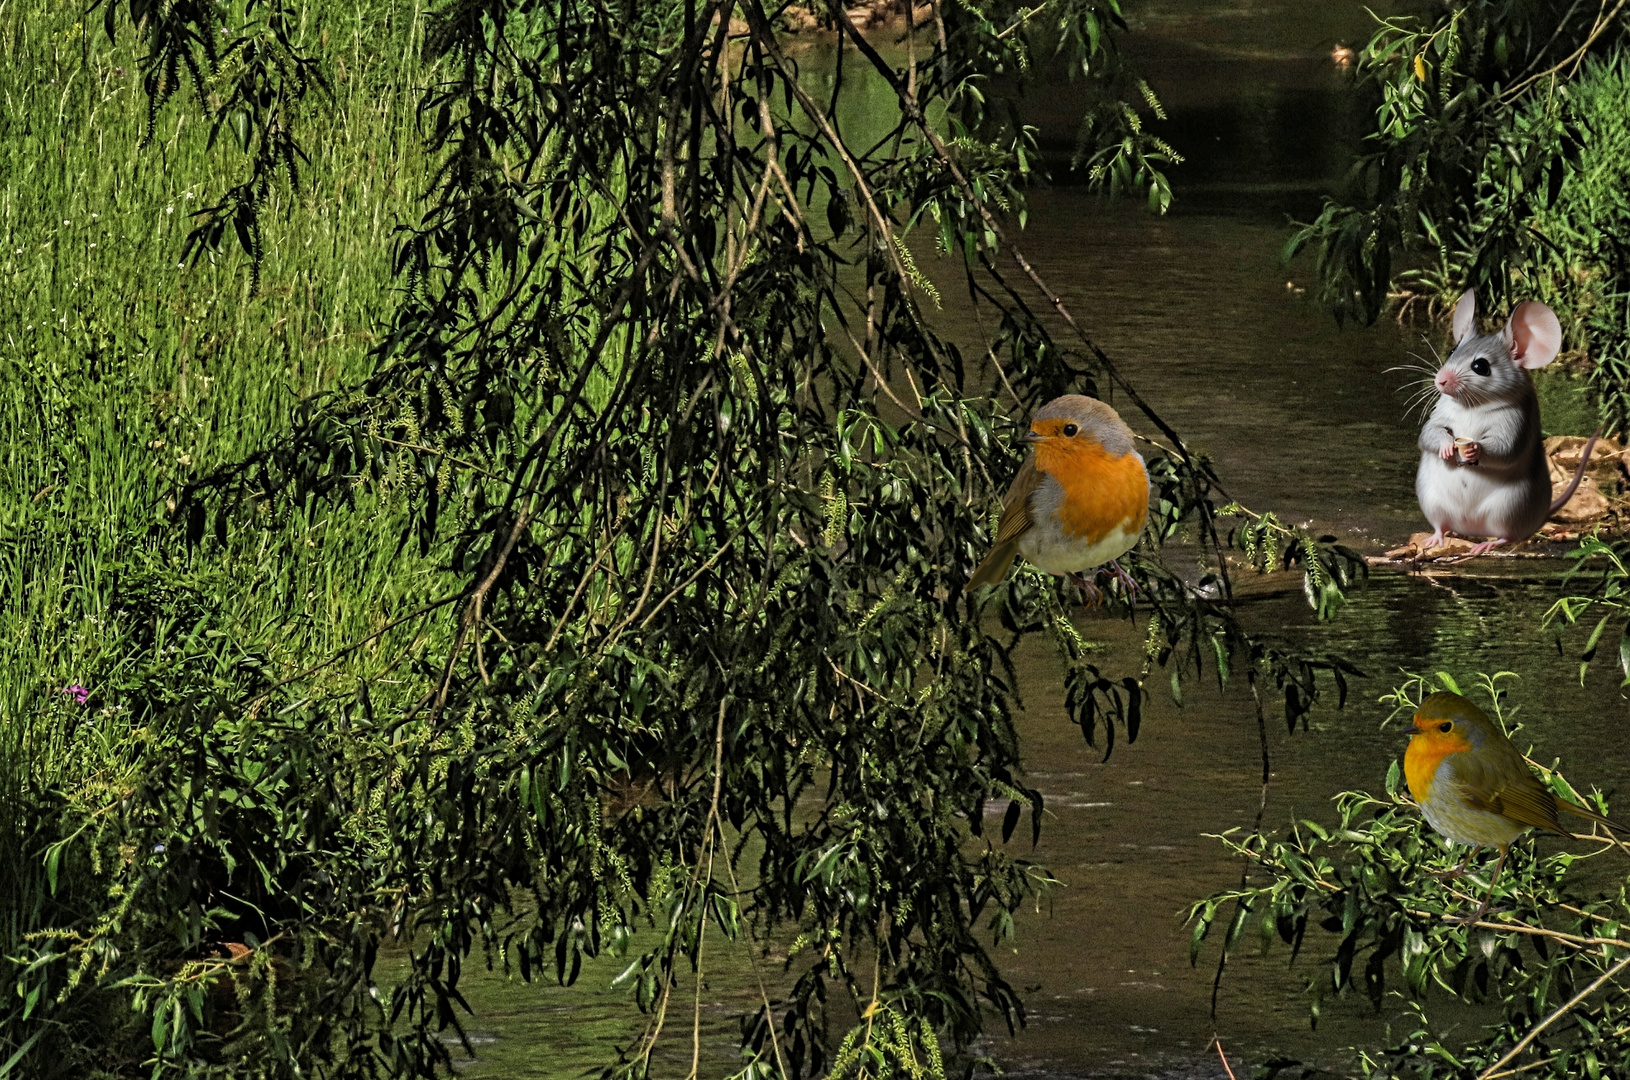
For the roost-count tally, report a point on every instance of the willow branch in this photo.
(1562, 1010)
(1578, 54)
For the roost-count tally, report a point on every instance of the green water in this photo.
(1105, 962)
(1302, 418)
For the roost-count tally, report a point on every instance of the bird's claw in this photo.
(1094, 595)
(1131, 586)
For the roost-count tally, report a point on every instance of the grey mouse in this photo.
(1483, 470)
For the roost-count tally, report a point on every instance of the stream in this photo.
(1302, 418)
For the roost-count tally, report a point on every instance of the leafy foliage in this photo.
(251, 85)
(661, 396)
(1476, 132)
(1544, 958)
(1578, 262)
(1329, 567)
(1600, 568)
(235, 831)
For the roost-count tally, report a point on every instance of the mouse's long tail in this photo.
(1578, 474)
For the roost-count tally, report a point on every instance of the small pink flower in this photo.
(77, 692)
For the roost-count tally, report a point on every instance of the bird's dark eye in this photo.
(1480, 366)
(1070, 430)
(1446, 726)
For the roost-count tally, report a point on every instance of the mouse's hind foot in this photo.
(1483, 549)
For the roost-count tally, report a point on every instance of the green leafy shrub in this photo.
(1579, 259)
(1361, 890)
(610, 580)
(1569, 251)
(199, 898)
(1499, 159)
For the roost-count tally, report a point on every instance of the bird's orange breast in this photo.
(1426, 752)
(1102, 492)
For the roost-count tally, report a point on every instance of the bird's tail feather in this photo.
(1589, 814)
(995, 567)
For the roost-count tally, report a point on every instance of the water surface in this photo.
(1302, 418)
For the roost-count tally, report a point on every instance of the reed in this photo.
(123, 374)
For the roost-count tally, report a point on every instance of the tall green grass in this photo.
(1582, 267)
(124, 374)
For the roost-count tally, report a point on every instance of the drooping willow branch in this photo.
(705, 568)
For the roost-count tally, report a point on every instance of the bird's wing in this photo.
(1016, 504)
(1014, 524)
(1504, 785)
(1585, 812)
(993, 570)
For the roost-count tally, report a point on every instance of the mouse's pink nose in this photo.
(1448, 382)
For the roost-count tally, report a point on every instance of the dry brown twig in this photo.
(1561, 1011)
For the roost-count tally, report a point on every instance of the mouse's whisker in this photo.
(1422, 404)
(1423, 399)
(1435, 354)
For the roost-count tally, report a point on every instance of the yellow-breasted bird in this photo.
(1080, 499)
(1474, 786)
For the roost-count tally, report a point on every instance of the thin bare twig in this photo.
(1572, 58)
(1530, 1067)
(915, 114)
(758, 976)
(353, 647)
(1561, 1011)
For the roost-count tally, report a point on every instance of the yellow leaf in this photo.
(1420, 66)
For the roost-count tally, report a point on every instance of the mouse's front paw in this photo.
(1447, 450)
(1469, 452)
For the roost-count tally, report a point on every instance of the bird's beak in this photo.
(1029, 437)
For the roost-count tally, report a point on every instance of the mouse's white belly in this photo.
(1473, 501)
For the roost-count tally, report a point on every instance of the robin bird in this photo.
(1080, 499)
(1475, 787)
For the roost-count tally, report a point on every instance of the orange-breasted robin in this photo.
(1475, 787)
(1080, 499)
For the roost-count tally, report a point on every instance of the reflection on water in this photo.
(1104, 963)
(1256, 106)
(1301, 417)
(1111, 959)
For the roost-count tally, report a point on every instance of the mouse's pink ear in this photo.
(1465, 316)
(1533, 335)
